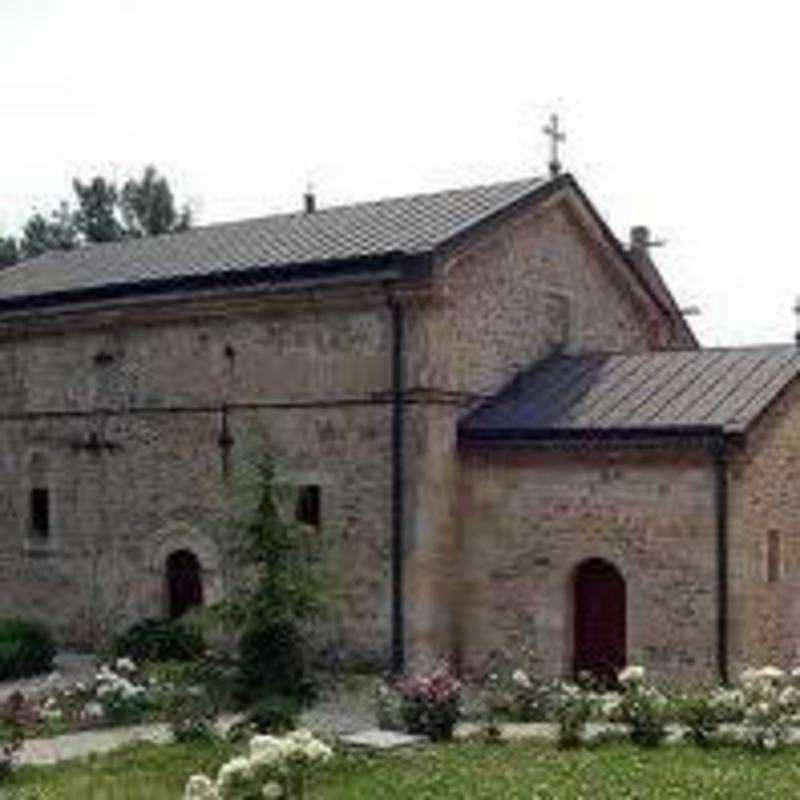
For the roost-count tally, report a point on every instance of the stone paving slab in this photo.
(377, 739)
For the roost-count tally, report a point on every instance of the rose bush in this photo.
(273, 767)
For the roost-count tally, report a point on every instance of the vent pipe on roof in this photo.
(309, 200)
(797, 314)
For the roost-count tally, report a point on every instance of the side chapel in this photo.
(492, 409)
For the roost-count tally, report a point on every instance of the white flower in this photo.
(93, 710)
(125, 665)
(272, 789)
(769, 673)
(631, 675)
(236, 771)
(521, 679)
(199, 787)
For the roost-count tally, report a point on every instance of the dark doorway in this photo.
(599, 620)
(184, 583)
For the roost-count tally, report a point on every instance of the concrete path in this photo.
(83, 744)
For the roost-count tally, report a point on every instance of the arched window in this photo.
(184, 583)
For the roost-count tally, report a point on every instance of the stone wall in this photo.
(528, 285)
(528, 520)
(765, 498)
(127, 420)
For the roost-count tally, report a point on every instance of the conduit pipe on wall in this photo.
(398, 483)
(719, 455)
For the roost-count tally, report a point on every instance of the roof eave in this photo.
(383, 267)
(667, 437)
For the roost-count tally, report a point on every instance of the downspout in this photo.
(719, 455)
(398, 484)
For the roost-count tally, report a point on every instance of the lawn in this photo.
(472, 770)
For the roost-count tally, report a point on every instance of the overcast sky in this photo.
(679, 115)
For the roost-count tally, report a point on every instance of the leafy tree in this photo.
(104, 213)
(9, 251)
(148, 206)
(97, 215)
(56, 232)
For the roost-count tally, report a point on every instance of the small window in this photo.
(308, 503)
(773, 556)
(40, 512)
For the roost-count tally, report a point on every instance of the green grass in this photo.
(471, 771)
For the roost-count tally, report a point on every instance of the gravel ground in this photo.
(348, 708)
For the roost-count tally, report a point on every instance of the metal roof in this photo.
(713, 390)
(407, 225)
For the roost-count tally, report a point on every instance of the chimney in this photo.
(309, 201)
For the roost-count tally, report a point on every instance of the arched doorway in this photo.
(599, 625)
(184, 583)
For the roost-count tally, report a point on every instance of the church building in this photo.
(491, 411)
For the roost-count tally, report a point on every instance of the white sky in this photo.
(683, 116)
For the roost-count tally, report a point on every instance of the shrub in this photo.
(273, 767)
(123, 699)
(26, 648)
(767, 706)
(216, 679)
(272, 661)
(431, 703)
(274, 715)
(388, 707)
(701, 715)
(190, 713)
(159, 640)
(574, 707)
(643, 708)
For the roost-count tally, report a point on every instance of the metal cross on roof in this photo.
(556, 136)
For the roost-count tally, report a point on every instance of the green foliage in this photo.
(148, 206)
(431, 702)
(274, 715)
(216, 680)
(278, 597)
(160, 640)
(190, 712)
(26, 648)
(645, 710)
(96, 217)
(574, 707)
(104, 213)
(700, 713)
(9, 251)
(57, 231)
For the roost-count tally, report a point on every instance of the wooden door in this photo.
(600, 611)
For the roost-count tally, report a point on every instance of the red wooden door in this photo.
(599, 620)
